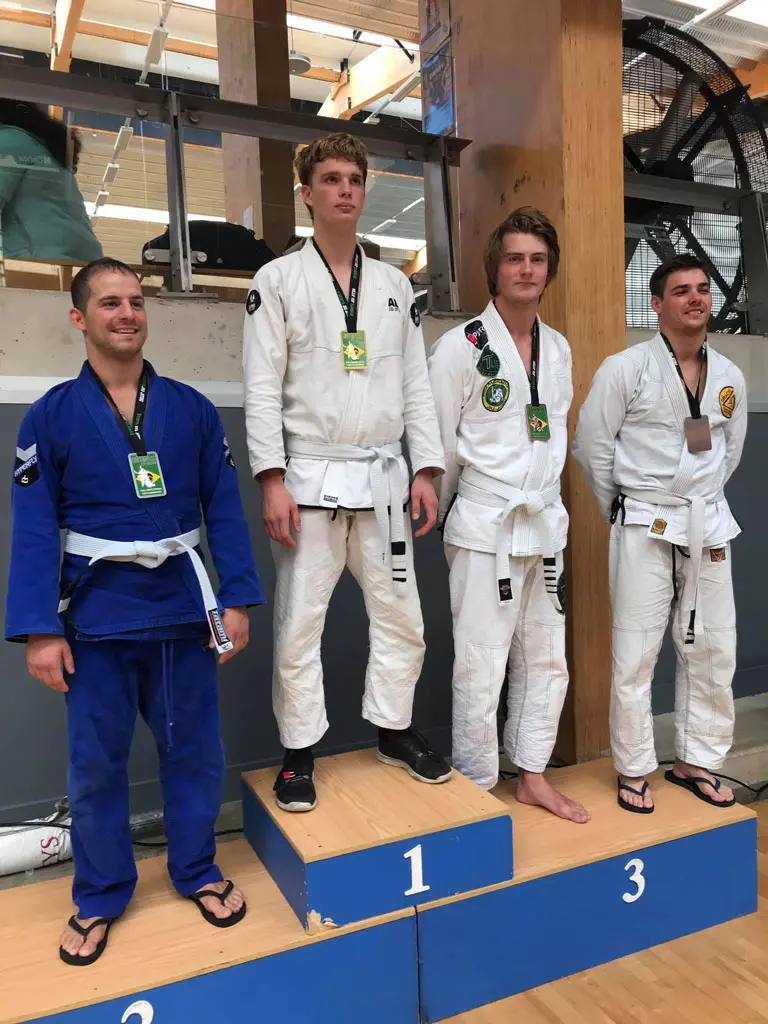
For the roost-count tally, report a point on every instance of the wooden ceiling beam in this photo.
(376, 75)
(755, 78)
(66, 18)
(398, 19)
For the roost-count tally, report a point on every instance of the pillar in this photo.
(252, 40)
(538, 91)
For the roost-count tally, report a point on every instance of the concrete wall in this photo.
(200, 342)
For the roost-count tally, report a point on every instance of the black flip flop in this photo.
(217, 922)
(690, 785)
(83, 961)
(638, 792)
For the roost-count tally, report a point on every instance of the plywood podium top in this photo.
(161, 939)
(363, 803)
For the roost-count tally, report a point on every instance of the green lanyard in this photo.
(133, 430)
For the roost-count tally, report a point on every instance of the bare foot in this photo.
(634, 799)
(231, 904)
(687, 771)
(75, 944)
(534, 788)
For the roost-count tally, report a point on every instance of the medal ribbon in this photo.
(349, 307)
(694, 400)
(133, 430)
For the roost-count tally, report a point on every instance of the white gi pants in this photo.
(642, 594)
(306, 578)
(528, 634)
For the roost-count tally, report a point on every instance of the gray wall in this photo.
(32, 725)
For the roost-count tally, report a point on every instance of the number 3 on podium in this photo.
(637, 877)
(417, 872)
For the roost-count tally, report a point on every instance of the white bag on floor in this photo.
(37, 845)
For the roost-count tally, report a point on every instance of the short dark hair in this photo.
(80, 289)
(682, 261)
(526, 220)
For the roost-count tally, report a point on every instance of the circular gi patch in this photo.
(488, 364)
(495, 394)
(727, 402)
(253, 302)
(561, 593)
(415, 315)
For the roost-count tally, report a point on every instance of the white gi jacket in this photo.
(630, 439)
(490, 451)
(295, 384)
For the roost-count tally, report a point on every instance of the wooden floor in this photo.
(719, 976)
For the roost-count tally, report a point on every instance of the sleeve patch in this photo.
(476, 334)
(230, 460)
(26, 470)
(415, 315)
(253, 302)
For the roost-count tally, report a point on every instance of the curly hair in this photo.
(339, 146)
(526, 220)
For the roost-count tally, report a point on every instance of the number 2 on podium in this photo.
(417, 872)
(637, 877)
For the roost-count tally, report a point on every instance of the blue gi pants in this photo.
(173, 684)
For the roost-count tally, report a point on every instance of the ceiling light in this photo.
(298, 63)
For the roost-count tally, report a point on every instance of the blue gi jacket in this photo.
(72, 472)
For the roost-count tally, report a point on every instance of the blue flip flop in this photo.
(638, 792)
(692, 787)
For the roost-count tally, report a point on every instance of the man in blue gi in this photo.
(127, 463)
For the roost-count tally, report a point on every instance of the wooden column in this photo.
(252, 40)
(538, 91)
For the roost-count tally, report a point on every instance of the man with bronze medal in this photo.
(335, 376)
(659, 436)
(502, 388)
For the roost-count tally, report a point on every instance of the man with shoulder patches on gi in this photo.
(659, 436)
(128, 464)
(502, 388)
(335, 375)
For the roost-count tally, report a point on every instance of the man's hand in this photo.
(45, 656)
(235, 622)
(280, 510)
(424, 499)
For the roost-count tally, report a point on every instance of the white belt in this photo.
(151, 554)
(387, 486)
(697, 508)
(485, 490)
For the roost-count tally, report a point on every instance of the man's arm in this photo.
(451, 383)
(736, 430)
(600, 420)
(421, 427)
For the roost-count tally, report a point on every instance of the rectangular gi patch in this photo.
(658, 527)
(717, 554)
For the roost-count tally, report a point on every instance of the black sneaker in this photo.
(294, 786)
(407, 749)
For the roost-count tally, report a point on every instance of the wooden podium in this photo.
(430, 948)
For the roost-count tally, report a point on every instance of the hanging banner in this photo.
(437, 92)
(437, 21)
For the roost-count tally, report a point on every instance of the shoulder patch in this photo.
(727, 401)
(488, 364)
(476, 334)
(26, 470)
(228, 454)
(415, 315)
(495, 394)
(253, 302)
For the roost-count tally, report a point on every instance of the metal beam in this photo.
(178, 222)
(683, 193)
(38, 85)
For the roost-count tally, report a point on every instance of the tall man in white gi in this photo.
(335, 364)
(502, 388)
(659, 436)
(129, 464)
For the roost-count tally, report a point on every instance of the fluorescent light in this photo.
(110, 173)
(140, 213)
(385, 241)
(156, 46)
(124, 136)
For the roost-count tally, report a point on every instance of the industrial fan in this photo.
(686, 117)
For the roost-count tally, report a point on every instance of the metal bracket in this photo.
(754, 250)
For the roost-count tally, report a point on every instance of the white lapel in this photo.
(671, 379)
(503, 344)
